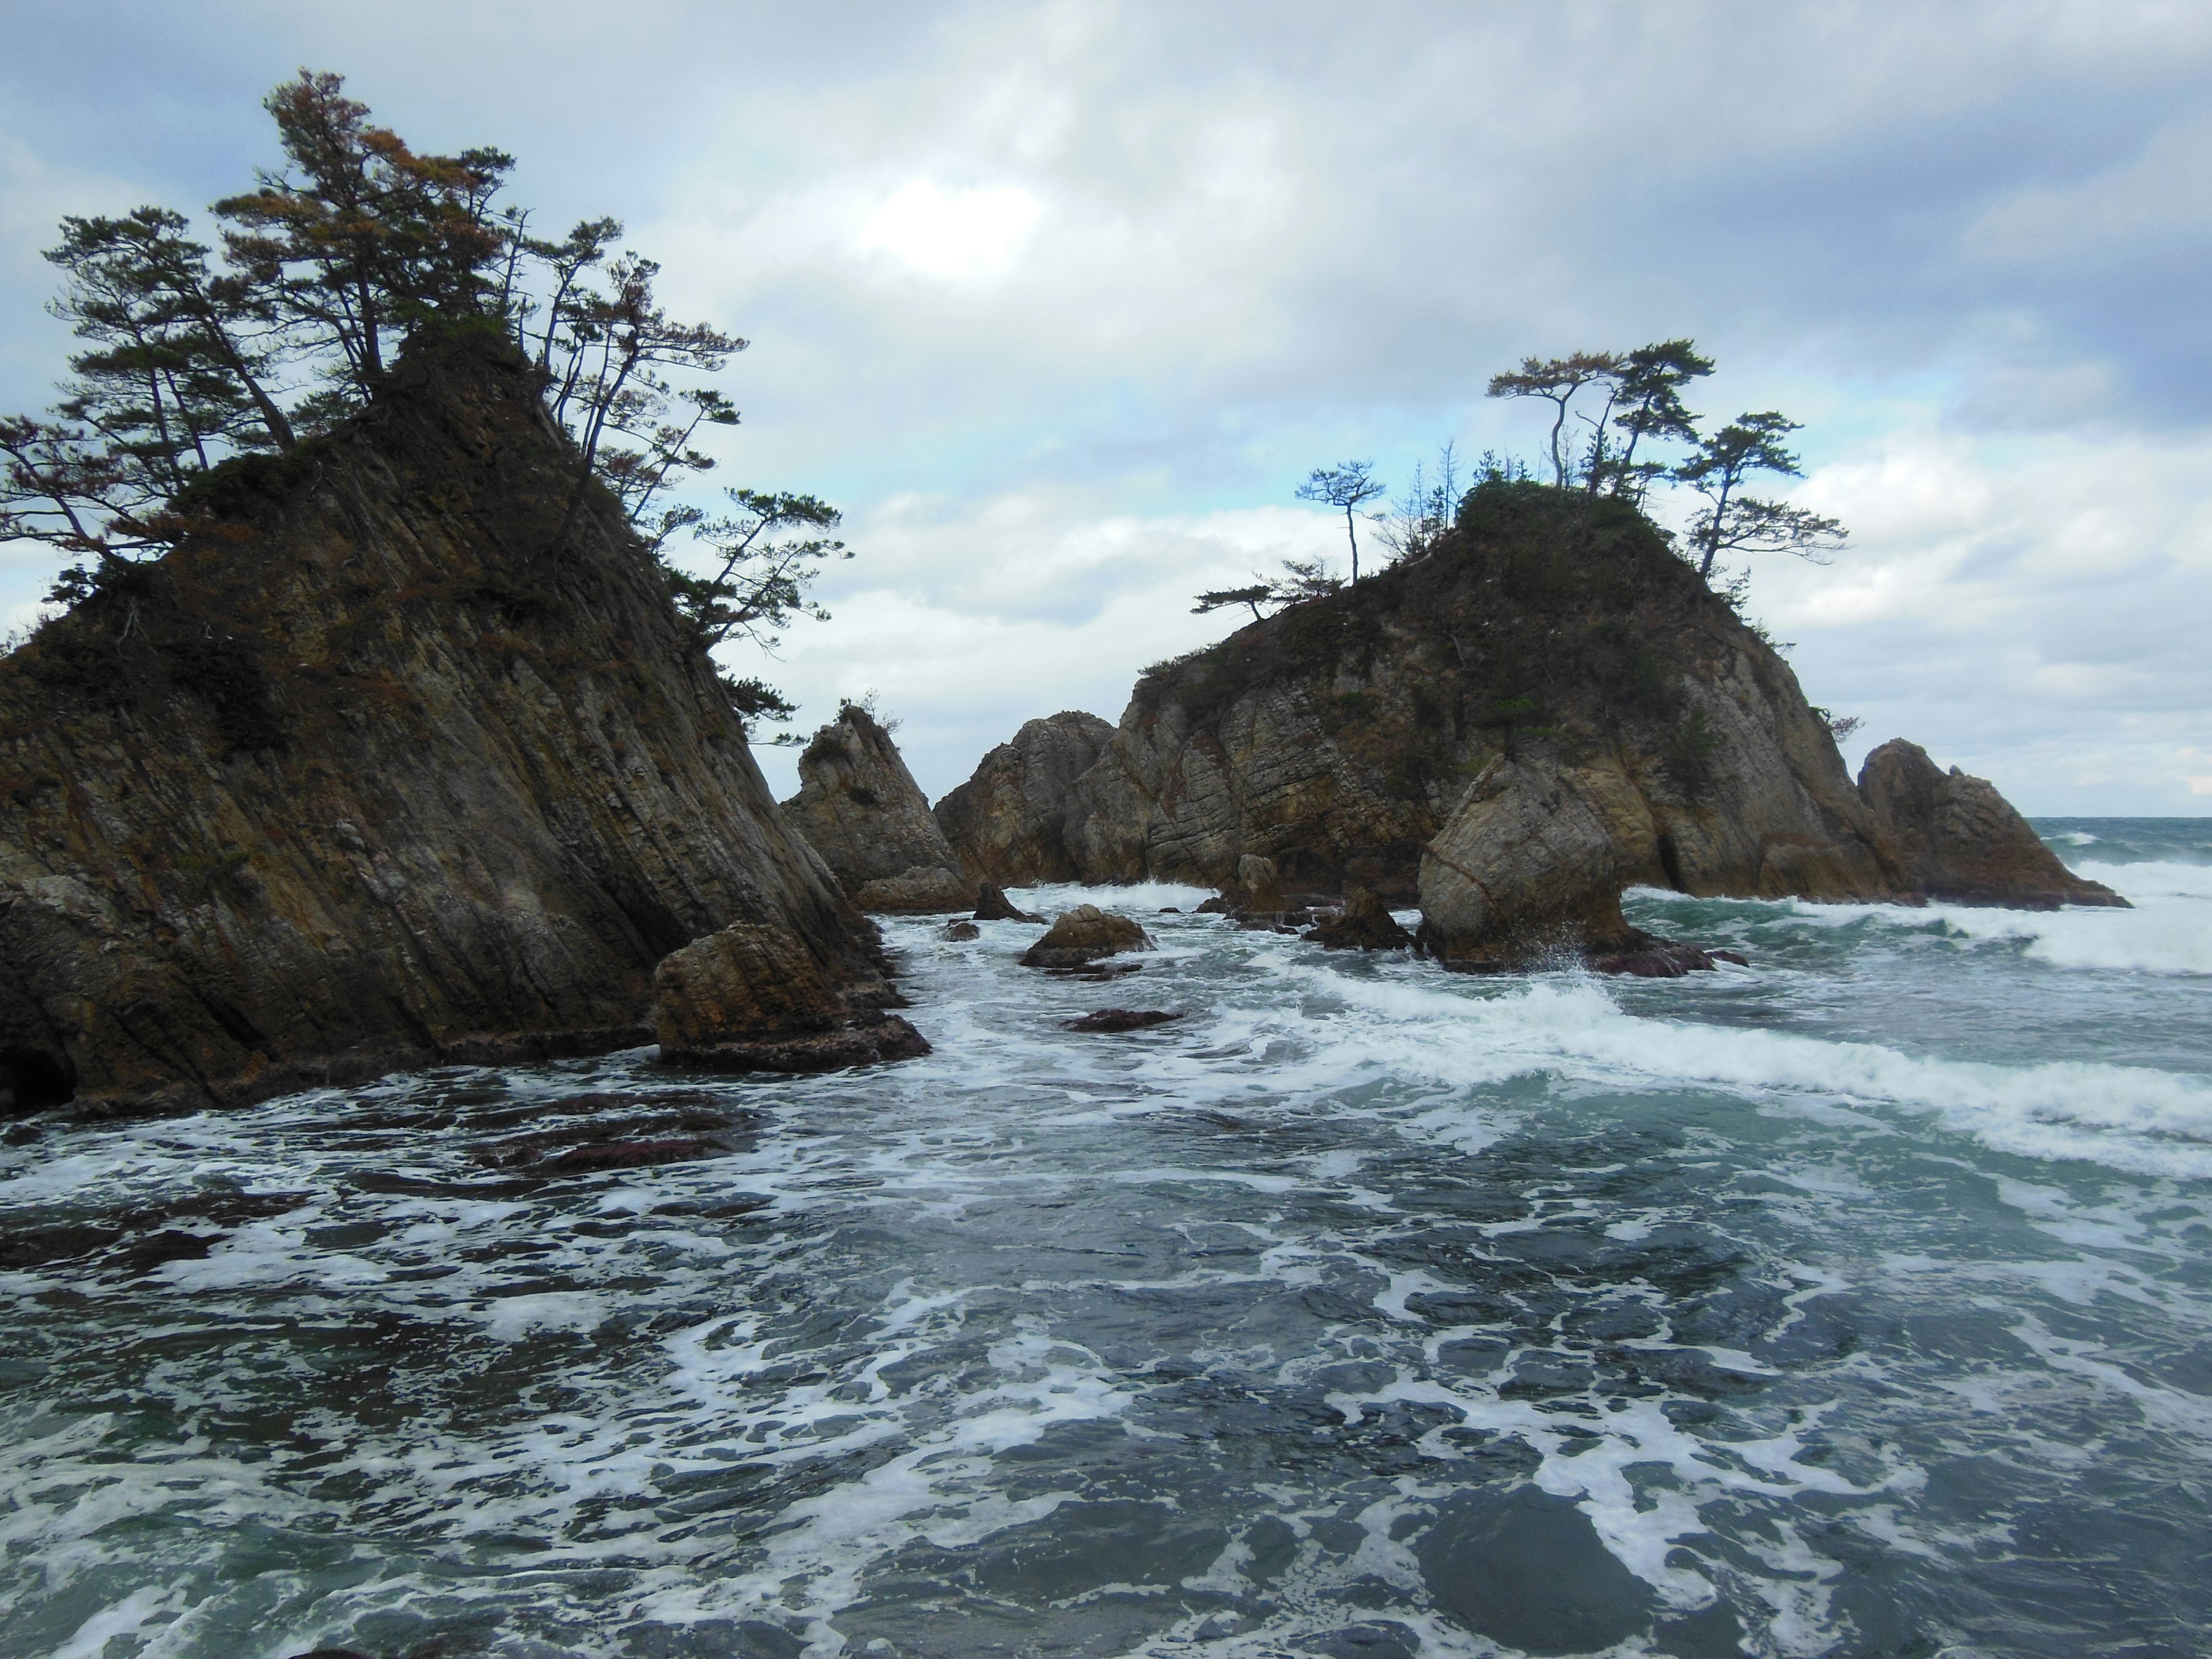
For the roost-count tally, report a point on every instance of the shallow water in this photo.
(1855, 1302)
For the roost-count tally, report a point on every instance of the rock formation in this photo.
(1338, 737)
(1363, 925)
(1086, 934)
(752, 997)
(363, 775)
(992, 905)
(1008, 822)
(860, 809)
(1961, 842)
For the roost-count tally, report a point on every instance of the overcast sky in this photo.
(1060, 301)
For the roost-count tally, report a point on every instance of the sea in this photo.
(1854, 1302)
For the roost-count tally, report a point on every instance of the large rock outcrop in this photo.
(364, 775)
(1008, 822)
(1961, 842)
(1338, 737)
(860, 809)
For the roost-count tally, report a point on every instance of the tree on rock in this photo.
(1350, 485)
(1732, 522)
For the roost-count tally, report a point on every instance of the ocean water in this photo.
(1853, 1302)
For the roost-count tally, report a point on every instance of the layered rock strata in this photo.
(1337, 737)
(1960, 841)
(1008, 822)
(366, 774)
(750, 998)
(860, 809)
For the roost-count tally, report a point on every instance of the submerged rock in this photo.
(1961, 842)
(1364, 924)
(1121, 1019)
(1083, 936)
(961, 930)
(860, 809)
(364, 775)
(1008, 821)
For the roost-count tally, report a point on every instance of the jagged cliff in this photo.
(860, 809)
(363, 774)
(1338, 737)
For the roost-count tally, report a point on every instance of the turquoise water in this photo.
(1853, 1303)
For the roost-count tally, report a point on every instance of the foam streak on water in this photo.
(1853, 1303)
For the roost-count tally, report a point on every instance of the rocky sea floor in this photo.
(1858, 1302)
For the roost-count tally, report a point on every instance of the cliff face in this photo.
(860, 809)
(1338, 737)
(1008, 822)
(361, 776)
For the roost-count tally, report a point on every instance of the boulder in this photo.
(992, 905)
(919, 891)
(1008, 822)
(1524, 867)
(1084, 935)
(961, 931)
(860, 809)
(1961, 842)
(747, 999)
(1364, 924)
(1259, 886)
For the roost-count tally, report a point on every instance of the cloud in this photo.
(954, 235)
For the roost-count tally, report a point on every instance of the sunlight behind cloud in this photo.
(952, 234)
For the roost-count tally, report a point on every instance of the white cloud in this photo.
(956, 233)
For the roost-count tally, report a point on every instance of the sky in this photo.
(1060, 302)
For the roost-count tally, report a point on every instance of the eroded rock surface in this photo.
(748, 997)
(1086, 934)
(860, 809)
(1337, 737)
(1008, 821)
(1961, 842)
(364, 775)
(1364, 924)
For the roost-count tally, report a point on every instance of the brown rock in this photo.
(1008, 822)
(745, 999)
(961, 931)
(1121, 1019)
(1525, 867)
(1084, 935)
(1659, 959)
(860, 809)
(1364, 924)
(992, 905)
(1961, 841)
(1336, 737)
(361, 777)
(916, 892)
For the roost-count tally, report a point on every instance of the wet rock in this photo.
(1083, 936)
(1170, 910)
(1219, 905)
(992, 905)
(921, 891)
(1524, 868)
(747, 999)
(1121, 1019)
(1961, 841)
(1364, 924)
(960, 930)
(1008, 822)
(1659, 959)
(1258, 884)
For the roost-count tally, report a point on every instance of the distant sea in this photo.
(1858, 1302)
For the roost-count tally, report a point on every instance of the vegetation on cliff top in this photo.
(329, 271)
